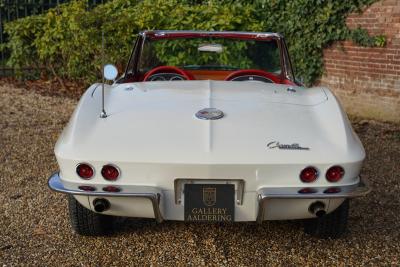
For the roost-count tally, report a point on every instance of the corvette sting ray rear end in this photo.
(209, 127)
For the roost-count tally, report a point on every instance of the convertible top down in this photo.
(209, 127)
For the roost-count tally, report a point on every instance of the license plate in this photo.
(209, 202)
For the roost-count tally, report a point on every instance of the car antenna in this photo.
(103, 113)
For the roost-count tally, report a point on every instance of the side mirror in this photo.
(110, 72)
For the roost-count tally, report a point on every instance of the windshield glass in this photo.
(211, 53)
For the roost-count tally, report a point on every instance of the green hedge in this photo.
(67, 40)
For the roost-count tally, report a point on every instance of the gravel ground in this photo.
(34, 227)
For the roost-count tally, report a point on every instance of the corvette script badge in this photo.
(295, 146)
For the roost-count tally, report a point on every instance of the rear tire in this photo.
(87, 222)
(332, 225)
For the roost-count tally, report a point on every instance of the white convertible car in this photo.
(209, 127)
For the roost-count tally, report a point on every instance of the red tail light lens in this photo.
(309, 174)
(334, 174)
(85, 171)
(111, 188)
(307, 190)
(110, 172)
(332, 190)
(87, 188)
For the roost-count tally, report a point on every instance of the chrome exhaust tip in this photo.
(101, 204)
(317, 209)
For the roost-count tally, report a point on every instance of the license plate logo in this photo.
(209, 202)
(209, 196)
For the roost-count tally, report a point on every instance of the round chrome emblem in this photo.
(209, 114)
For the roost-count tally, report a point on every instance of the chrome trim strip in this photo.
(179, 184)
(259, 34)
(94, 90)
(348, 191)
(56, 185)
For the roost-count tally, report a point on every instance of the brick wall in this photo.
(367, 80)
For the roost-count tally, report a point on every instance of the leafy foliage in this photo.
(22, 41)
(309, 26)
(360, 36)
(67, 40)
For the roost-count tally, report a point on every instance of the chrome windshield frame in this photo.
(132, 68)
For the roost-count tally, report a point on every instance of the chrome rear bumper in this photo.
(349, 191)
(264, 194)
(55, 184)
